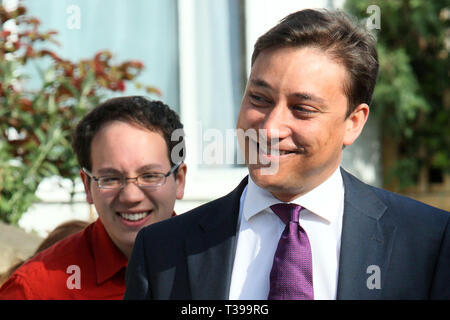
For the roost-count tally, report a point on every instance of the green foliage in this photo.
(412, 95)
(36, 125)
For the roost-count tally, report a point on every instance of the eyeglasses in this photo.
(145, 180)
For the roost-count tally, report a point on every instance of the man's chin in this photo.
(280, 186)
(268, 182)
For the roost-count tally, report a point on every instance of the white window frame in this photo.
(202, 184)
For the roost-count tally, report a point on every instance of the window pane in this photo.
(145, 30)
(220, 76)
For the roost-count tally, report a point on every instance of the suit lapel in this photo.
(366, 243)
(210, 247)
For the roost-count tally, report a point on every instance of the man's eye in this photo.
(258, 100)
(110, 180)
(150, 177)
(304, 109)
(255, 97)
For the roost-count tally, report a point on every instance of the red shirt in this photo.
(86, 265)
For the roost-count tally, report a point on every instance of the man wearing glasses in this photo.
(130, 174)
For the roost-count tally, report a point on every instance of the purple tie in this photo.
(291, 274)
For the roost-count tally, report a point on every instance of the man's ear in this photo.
(355, 123)
(181, 181)
(87, 186)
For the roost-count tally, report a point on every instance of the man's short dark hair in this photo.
(338, 35)
(150, 114)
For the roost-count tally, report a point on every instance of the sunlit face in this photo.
(121, 148)
(297, 95)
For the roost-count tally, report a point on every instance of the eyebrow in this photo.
(305, 96)
(150, 167)
(308, 97)
(108, 171)
(143, 169)
(260, 83)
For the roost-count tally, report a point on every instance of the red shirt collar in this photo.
(108, 259)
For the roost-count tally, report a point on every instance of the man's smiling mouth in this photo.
(135, 216)
(275, 152)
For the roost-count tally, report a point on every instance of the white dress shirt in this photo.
(260, 230)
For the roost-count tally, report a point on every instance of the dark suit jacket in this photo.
(191, 256)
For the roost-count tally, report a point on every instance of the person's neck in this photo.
(289, 196)
(126, 250)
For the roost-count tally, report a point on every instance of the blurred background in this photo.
(59, 58)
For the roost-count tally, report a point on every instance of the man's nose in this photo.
(277, 122)
(131, 192)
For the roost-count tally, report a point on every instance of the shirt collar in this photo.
(109, 260)
(256, 199)
(332, 190)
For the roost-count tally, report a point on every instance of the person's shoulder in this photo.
(405, 202)
(47, 270)
(415, 212)
(222, 204)
(73, 248)
(17, 287)
(397, 204)
(180, 225)
(185, 220)
(36, 272)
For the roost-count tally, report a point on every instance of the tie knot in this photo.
(287, 211)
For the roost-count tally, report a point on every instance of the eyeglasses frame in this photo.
(125, 179)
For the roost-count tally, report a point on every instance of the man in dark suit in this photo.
(306, 229)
